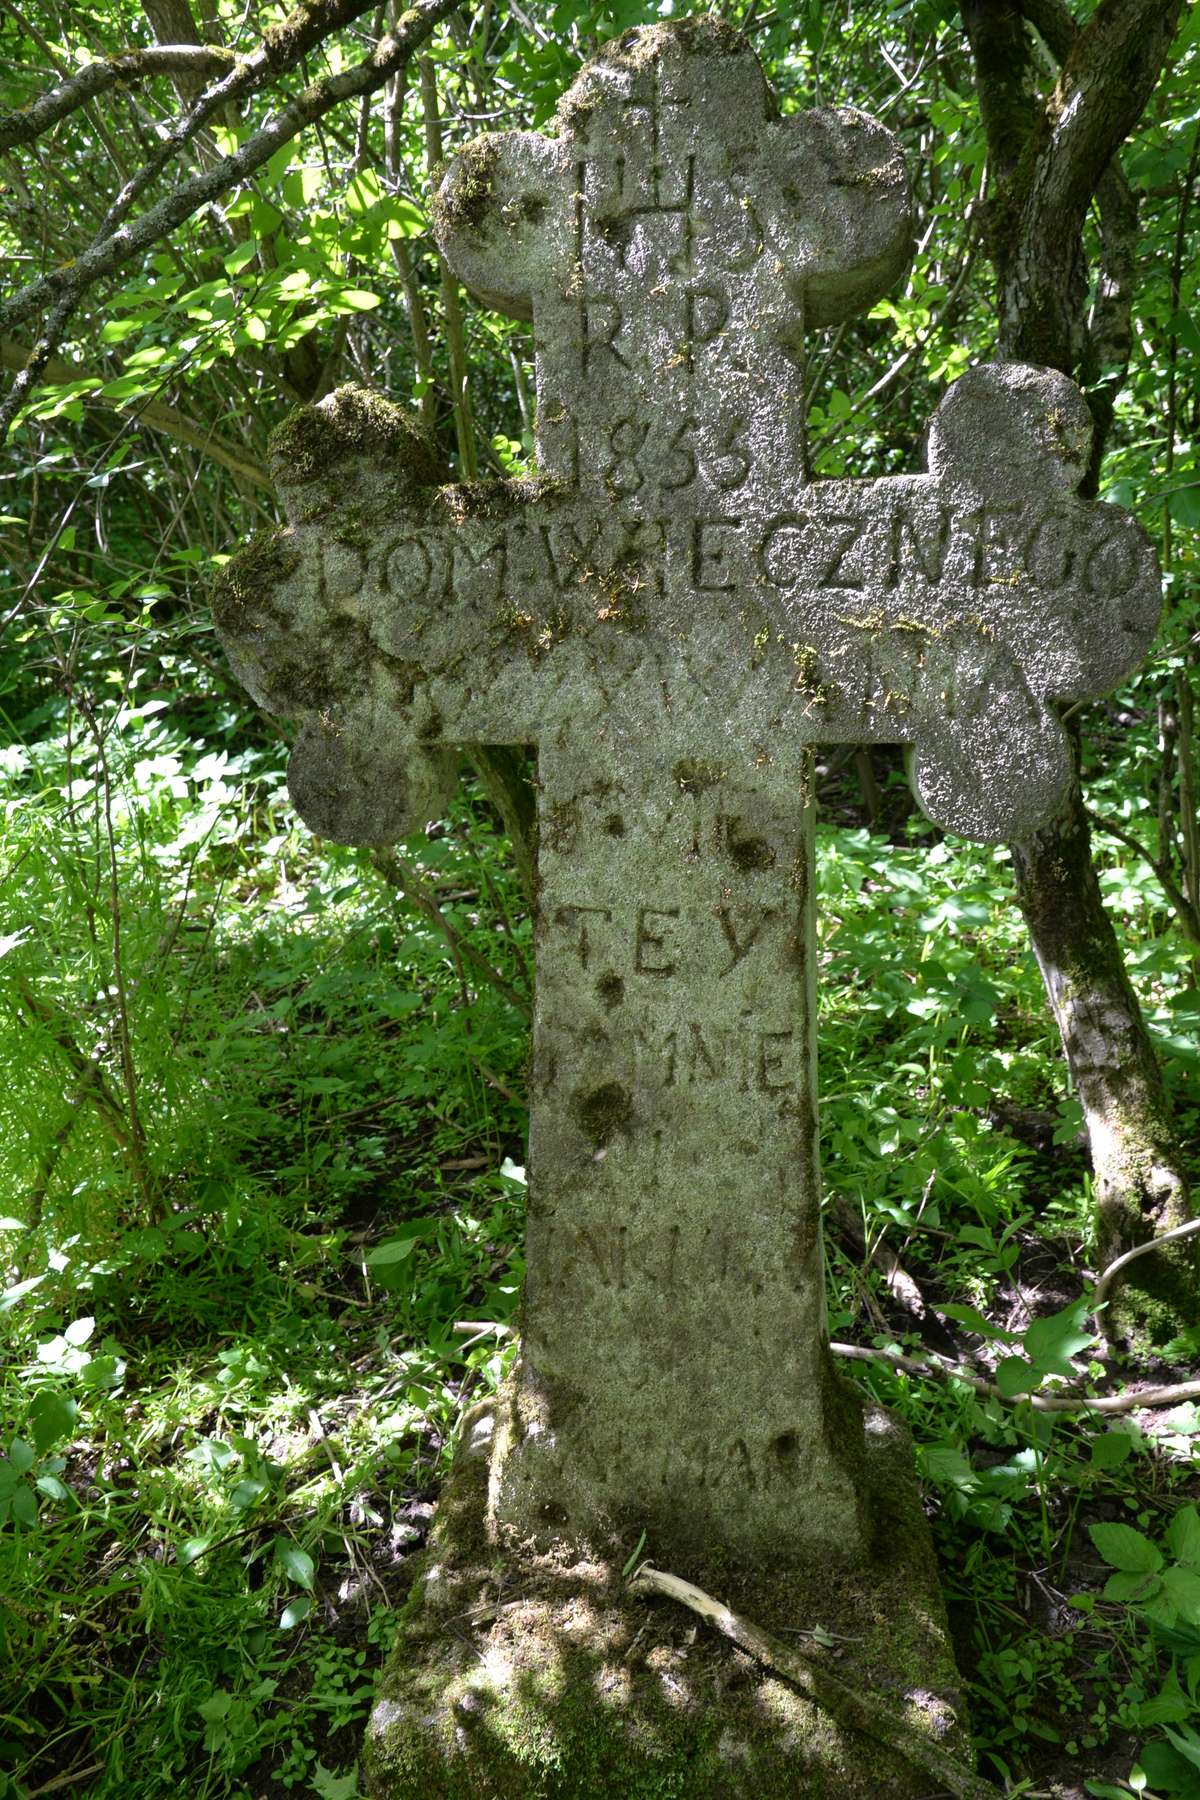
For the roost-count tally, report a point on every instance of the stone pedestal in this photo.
(543, 1677)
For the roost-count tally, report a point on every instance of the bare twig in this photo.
(1188, 916)
(397, 873)
(1114, 1268)
(1051, 1403)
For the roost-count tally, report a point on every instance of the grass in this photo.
(261, 1147)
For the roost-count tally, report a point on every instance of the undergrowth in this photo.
(262, 1150)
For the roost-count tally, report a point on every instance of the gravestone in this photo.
(675, 614)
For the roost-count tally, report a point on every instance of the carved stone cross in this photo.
(675, 614)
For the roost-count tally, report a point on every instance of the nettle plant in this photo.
(1159, 1584)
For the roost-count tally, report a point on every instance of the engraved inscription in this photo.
(651, 953)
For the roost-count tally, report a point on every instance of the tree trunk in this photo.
(1050, 159)
(1139, 1186)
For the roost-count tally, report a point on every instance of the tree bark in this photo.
(1050, 158)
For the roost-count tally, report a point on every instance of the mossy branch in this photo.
(49, 109)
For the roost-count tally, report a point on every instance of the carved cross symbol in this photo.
(674, 614)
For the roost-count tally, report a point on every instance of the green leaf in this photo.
(20, 1456)
(1183, 1590)
(363, 191)
(1132, 1584)
(1183, 1536)
(79, 1331)
(51, 1417)
(1184, 506)
(1188, 1745)
(973, 1319)
(294, 1613)
(1015, 1376)
(1124, 1548)
(329, 1786)
(353, 300)
(246, 1493)
(1111, 1450)
(401, 1244)
(1170, 1706)
(297, 1564)
(1054, 1341)
(1167, 1769)
(24, 1507)
(947, 1466)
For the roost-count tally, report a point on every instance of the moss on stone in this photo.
(489, 501)
(462, 203)
(242, 592)
(352, 421)
(694, 775)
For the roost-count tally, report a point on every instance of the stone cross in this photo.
(674, 614)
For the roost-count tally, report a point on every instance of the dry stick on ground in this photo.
(1114, 1268)
(1051, 1403)
(944, 1370)
(858, 1712)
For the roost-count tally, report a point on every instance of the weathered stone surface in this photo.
(674, 614)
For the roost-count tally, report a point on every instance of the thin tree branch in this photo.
(121, 246)
(1189, 917)
(64, 287)
(1155, 1243)
(97, 78)
(398, 874)
(1050, 1403)
(858, 1712)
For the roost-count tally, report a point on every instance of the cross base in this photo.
(549, 1679)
